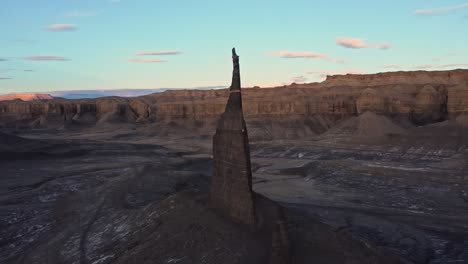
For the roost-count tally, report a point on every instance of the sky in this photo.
(50, 45)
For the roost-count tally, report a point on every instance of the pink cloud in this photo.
(61, 27)
(358, 43)
(440, 10)
(286, 54)
(46, 58)
(146, 60)
(445, 56)
(161, 52)
(461, 65)
(391, 67)
(298, 54)
(444, 66)
(424, 66)
(324, 74)
(299, 79)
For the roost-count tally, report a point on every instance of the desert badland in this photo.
(356, 169)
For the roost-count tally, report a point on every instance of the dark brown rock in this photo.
(280, 244)
(231, 190)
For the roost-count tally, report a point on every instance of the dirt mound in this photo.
(368, 125)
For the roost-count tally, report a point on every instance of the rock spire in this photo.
(231, 190)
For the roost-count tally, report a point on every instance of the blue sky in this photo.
(49, 45)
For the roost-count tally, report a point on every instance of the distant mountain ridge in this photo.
(92, 94)
(417, 98)
(26, 97)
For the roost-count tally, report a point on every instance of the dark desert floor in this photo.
(86, 194)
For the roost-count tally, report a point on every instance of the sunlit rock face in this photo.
(25, 97)
(231, 190)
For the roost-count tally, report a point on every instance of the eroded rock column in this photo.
(231, 190)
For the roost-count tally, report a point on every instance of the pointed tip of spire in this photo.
(234, 52)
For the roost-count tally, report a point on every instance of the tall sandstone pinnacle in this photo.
(231, 190)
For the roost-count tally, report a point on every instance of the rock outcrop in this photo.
(298, 110)
(231, 190)
(26, 97)
(453, 77)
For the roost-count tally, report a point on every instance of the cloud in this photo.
(460, 65)
(46, 58)
(391, 67)
(299, 79)
(29, 70)
(2, 59)
(61, 27)
(286, 54)
(444, 66)
(88, 13)
(440, 10)
(338, 72)
(358, 43)
(445, 56)
(423, 66)
(298, 54)
(5, 78)
(159, 53)
(146, 60)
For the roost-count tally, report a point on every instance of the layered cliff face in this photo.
(452, 77)
(421, 97)
(25, 97)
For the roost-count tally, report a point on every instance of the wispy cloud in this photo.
(78, 13)
(394, 67)
(299, 79)
(46, 58)
(358, 43)
(298, 54)
(11, 69)
(5, 78)
(460, 65)
(445, 56)
(286, 54)
(444, 66)
(423, 66)
(338, 72)
(159, 52)
(146, 60)
(61, 27)
(441, 10)
(2, 59)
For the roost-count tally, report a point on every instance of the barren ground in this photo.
(78, 193)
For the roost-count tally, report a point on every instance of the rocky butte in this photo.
(299, 110)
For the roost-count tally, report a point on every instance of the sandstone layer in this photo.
(420, 97)
(25, 96)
